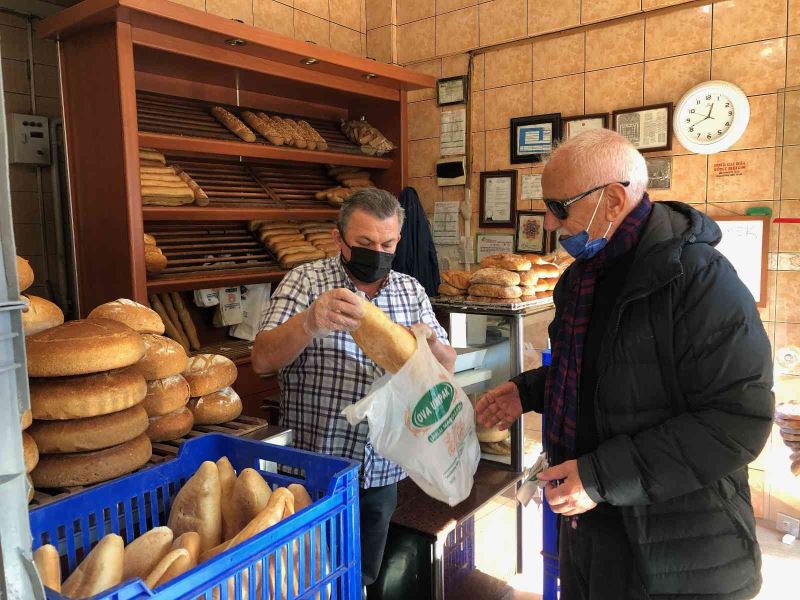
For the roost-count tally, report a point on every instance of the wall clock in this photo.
(711, 117)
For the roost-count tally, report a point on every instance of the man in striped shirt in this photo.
(305, 337)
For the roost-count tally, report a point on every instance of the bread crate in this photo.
(324, 535)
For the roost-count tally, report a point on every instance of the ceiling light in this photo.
(235, 42)
(309, 61)
(369, 76)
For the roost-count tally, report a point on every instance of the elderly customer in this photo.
(321, 369)
(659, 391)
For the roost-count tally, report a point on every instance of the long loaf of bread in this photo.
(186, 320)
(233, 124)
(388, 344)
(200, 197)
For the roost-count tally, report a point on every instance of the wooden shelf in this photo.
(235, 213)
(203, 146)
(198, 281)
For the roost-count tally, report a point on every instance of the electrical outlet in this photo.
(787, 524)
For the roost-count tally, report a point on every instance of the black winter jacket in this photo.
(416, 254)
(683, 404)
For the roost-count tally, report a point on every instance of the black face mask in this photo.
(368, 265)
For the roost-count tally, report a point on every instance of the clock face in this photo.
(707, 117)
(711, 117)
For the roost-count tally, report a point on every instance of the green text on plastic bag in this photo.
(433, 405)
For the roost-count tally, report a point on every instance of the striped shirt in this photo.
(332, 372)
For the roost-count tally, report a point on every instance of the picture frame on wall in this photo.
(488, 244)
(498, 201)
(451, 90)
(648, 128)
(531, 238)
(533, 138)
(572, 126)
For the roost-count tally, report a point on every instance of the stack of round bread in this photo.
(39, 314)
(30, 451)
(510, 278)
(454, 284)
(213, 400)
(161, 366)
(86, 397)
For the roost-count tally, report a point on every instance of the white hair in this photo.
(602, 156)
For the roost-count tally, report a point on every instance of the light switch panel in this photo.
(29, 139)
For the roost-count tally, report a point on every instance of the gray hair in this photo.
(374, 201)
(600, 156)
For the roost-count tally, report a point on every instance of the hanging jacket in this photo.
(416, 254)
(683, 404)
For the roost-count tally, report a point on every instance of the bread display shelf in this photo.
(510, 305)
(169, 123)
(211, 213)
(199, 281)
(163, 451)
(237, 350)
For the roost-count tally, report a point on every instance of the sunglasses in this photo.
(559, 207)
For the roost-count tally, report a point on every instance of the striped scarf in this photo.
(561, 387)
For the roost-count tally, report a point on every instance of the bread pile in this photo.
(787, 417)
(294, 243)
(39, 314)
(30, 451)
(278, 131)
(154, 258)
(214, 511)
(454, 284)
(86, 394)
(213, 400)
(165, 185)
(177, 321)
(371, 141)
(510, 278)
(350, 179)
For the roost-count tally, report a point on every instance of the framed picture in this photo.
(451, 90)
(531, 235)
(572, 126)
(498, 199)
(532, 138)
(649, 128)
(487, 244)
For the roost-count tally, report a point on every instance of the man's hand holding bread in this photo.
(335, 310)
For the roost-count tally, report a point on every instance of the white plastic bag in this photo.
(422, 421)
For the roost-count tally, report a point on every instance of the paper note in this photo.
(452, 139)
(445, 223)
(532, 187)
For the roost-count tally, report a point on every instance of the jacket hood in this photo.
(691, 225)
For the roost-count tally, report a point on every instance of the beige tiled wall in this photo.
(585, 56)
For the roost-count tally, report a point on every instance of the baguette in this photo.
(170, 329)
(233, 124)
(495, 291)
(99, 571)
(313, 134)
(267, 129)
(158, 178)
(186, 320)
(166, 300)
(200, 197)
(157, 170)
(293, 137)
(48, 563)
(298, 132)
(295, 248)
(388, 344)
(319, 236)
(266, 234)
(158, 191)
(152, 155)
(283, 237)
(494, 276)
(227, 481)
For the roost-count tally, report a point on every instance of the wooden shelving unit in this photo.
(144, 73)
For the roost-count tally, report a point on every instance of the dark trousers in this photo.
(595, 560)
(376, 506)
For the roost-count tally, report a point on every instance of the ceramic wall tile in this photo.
(600, 10)
(793, 61)
(273, 16)
(318, 8)
(742, 21)
(789, 119)
(761, 129)
(457, 31)
(477, 112)
(558, 55)
(794, 17)
(560, 94)
(743, 175)
(504, 103)
(309, 28)
(478, 142)
(787, 308)
(457, 64)
(789, 233)
(422, 157)
(497, 150)
(241, 10)
(15, 77)
(346, 13)
(611, 89)
(478, 76)
(13, 43)
(667, 79)
(545, 16)
(414, 10)
(655, 4)
(416, 41)
(688, 180)
(423, 120)
(790, 174)
(429, 67)
(380, 13)
(503, 21)
(614, 45)
(47, 81)
(381, 43)
(757, 68)
(345, 39)
(509, 65)
(428, 191)
(678, 32)
(445, 6)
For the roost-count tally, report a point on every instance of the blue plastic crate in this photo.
(134, 504)
(459, 552)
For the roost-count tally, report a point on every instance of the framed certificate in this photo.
(451, 90)
(647, 127)
(488, 244)
(532, 138)
(498, 199)
(572, 126)
(531, 235)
